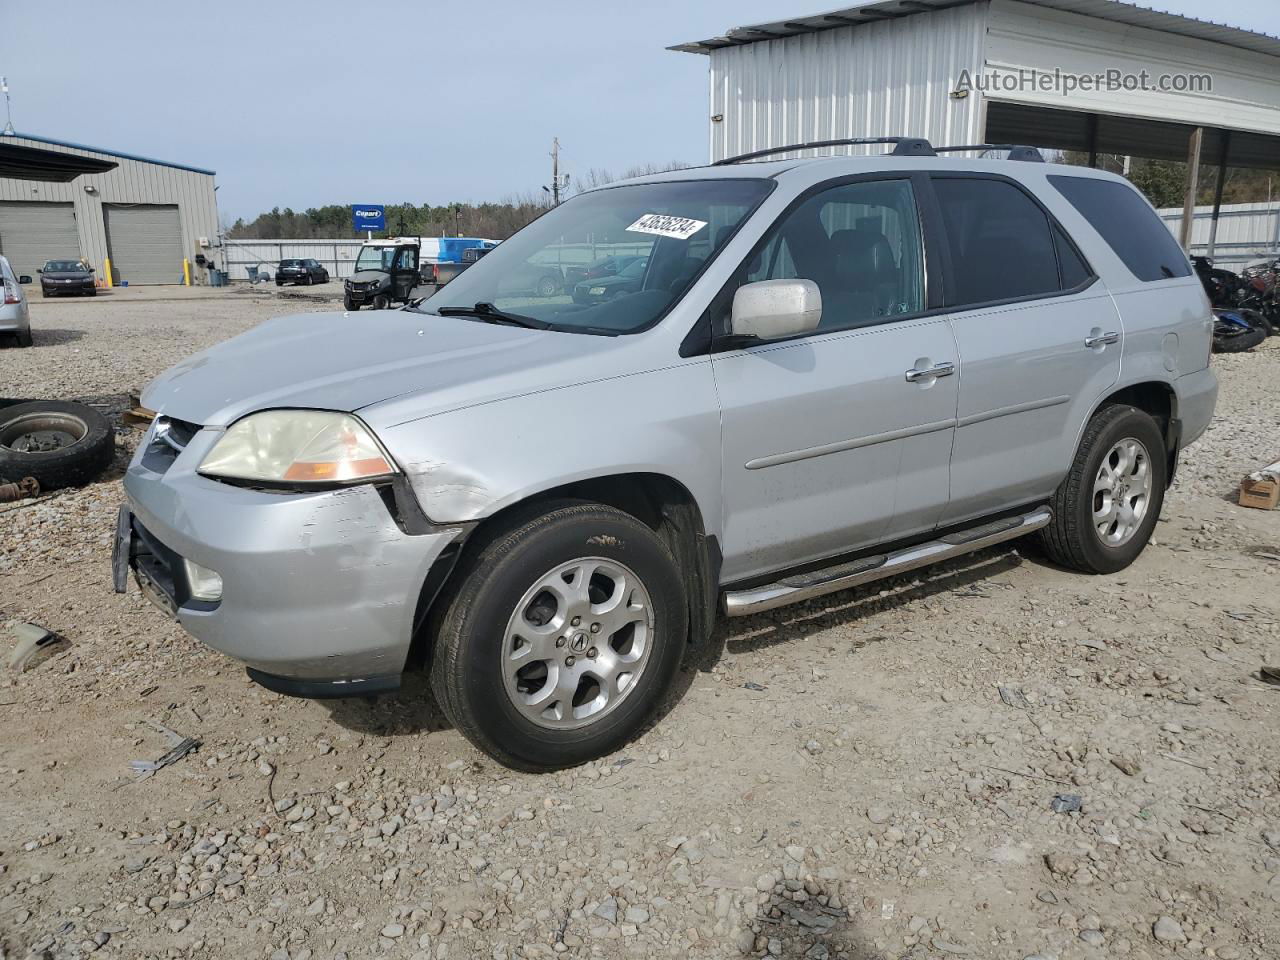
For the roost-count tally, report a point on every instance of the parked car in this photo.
(301, 271)
(864, 367)
(601, 267)
(15, 316)
(532, 279)
(628, 280)
(59, 277)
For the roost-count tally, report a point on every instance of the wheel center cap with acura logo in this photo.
(578, 643)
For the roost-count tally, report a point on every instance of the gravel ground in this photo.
(840, 779)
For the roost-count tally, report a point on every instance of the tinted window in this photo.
(1074, 271)
(1000, 242)
(860, 243)
(1126, 221)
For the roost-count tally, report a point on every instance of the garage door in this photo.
(145, 243)
(33, 232)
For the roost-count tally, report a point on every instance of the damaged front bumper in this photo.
(319, 589)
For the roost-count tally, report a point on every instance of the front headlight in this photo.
(298, 446)
(596, 291)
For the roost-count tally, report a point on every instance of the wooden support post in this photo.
(1193, 181)
(1093, 139)
(1217, 191)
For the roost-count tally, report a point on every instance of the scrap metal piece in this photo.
(179, 745)
(1014, 697)
(32, 640)
(24, 488)
(1067, 803)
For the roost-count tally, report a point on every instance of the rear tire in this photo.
(24, 338)
(577, 693)
(1105, 509)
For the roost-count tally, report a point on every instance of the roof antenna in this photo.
(8, 110)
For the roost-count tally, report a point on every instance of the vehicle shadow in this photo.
(411, 710)
(53, 336)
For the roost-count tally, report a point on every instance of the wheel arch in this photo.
(657, 500)
(1158, 399)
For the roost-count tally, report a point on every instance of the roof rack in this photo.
(903, 147)
(1016, 151)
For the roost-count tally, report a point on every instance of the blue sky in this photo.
(302, 104)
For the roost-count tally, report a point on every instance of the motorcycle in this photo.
(1245, 306)
(1235, 331)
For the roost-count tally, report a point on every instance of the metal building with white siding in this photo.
(145, 216)
(885, 68)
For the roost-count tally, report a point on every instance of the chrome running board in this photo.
(842, 576)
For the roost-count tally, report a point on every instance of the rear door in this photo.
(840, 438)
(1038, 338)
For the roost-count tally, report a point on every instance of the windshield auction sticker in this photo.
(662, 225)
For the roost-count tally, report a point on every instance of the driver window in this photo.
(860, 243)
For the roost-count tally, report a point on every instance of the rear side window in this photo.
(1126, 221)
(1001, 242)
(1074, 271)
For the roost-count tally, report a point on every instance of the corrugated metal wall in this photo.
(1246, 87)
(336, 256)
(1246, 231)
(892, 78)
(133, 181)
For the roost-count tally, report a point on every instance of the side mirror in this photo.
(91, 270)
(770, 309)
(39, 269)
(24, 279)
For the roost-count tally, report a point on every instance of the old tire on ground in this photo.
(348, 303)
(513, 670)
(61, 444)
(1105, 509)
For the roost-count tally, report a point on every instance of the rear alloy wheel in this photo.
(562, 636)
(1106, 508)
(60, 444)
(546, 287)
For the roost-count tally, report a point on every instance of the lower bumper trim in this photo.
(324, 689)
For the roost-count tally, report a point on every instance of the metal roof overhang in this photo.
(18, 162)
(871, 11)
(1127, 136)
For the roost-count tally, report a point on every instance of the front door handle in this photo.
(1101, 339)
(929, 373)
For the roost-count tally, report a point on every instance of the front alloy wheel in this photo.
(577, 643)
(561, 632)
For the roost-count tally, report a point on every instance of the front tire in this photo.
(562, 636)
(1105, 509)
(348, 304)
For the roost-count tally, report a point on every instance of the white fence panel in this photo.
(336, 256)
(1246, 231)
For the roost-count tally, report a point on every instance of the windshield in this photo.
(660, 234)
(290, 263)
(63, 266)
(375, 258)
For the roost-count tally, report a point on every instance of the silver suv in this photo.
(828, 371)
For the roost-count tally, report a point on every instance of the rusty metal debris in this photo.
(21, 490)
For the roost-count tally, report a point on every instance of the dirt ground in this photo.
(840, 779)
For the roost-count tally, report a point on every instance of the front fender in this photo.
(468, 464)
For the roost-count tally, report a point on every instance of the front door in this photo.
(404, 272)
(1039, 343)
(840, 438)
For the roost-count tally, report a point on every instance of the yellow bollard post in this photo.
(186, 272)
(106, 271)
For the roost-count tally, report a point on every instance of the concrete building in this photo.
(66, 201)
(997, 71)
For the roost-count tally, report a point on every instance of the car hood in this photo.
(67, 275)
(336, 361)
(364, 276)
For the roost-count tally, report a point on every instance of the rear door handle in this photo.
(928, 373)
(1102, 339)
